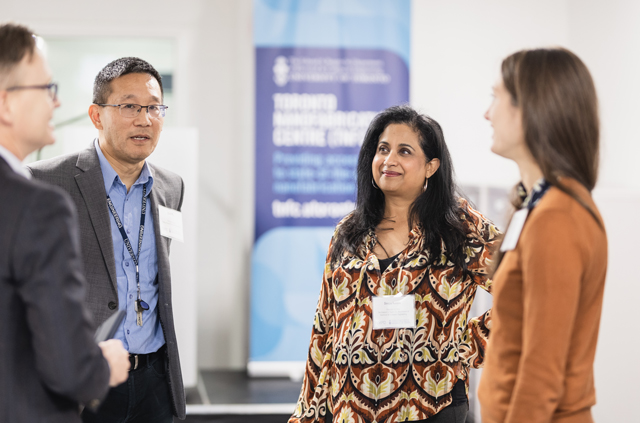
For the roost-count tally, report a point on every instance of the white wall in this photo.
(606, 36)
(213, 91)
(222, 90)
(457, 47)
(456, 50)
(617, 371)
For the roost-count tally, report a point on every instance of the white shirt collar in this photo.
(14, 162)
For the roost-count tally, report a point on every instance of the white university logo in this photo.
(281, 71)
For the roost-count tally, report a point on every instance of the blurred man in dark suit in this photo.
(49, 363)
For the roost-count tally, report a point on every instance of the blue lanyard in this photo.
(127, 243)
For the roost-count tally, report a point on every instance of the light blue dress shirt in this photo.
(148, 338)
(14, 163)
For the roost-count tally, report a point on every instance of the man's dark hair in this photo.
(116, 69)
(16, 41)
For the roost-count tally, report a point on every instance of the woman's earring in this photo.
(426, 184)
(373, 182)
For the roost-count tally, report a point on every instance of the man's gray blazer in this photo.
(80, 175)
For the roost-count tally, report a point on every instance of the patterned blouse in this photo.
(392, 375)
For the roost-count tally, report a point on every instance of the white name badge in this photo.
(394, 312)
(513, 232)
(171, 223)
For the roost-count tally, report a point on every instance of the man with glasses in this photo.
(119, 196)
(49, 362)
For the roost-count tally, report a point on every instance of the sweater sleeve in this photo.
(482, 244)
(552, 263)
(315, 393)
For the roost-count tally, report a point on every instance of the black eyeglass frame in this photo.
(52, 88)
(161, 107)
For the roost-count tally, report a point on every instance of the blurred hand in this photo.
(118, 359)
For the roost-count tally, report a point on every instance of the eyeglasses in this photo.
(133, 110)
(52, 88)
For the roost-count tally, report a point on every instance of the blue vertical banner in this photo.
(324, 69)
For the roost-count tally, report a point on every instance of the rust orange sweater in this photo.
(547, 304)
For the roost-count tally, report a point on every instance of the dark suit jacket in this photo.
(80, 175)
(48, 360)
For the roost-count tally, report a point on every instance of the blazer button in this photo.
(112, 305)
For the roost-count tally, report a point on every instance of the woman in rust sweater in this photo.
(549, 283)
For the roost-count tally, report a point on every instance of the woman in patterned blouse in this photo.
(411, 237)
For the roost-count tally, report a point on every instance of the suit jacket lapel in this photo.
(91, 186)
(4, 166)
(157, 199)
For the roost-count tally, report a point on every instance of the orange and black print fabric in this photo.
(364, 375)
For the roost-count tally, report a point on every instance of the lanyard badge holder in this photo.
(394, 311)
(140, 305)
(514, 230)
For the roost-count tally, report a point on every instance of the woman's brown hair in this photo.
(557, 97)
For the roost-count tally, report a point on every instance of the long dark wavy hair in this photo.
(437, 209)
